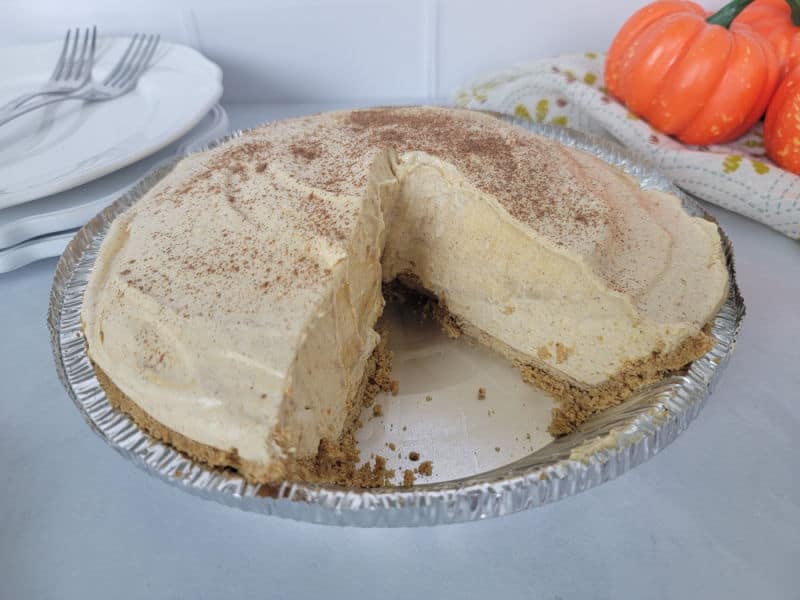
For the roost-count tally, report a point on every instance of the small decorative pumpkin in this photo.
(778, 22)
(705, 80)
(782, 124)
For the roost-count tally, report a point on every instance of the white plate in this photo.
(70, 143)
(43, 228)
(74, 207)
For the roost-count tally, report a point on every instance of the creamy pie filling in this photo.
(236, 302)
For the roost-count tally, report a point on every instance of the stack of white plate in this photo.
(61, 165)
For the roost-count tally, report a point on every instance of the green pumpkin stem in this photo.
(794, 5)
(725, 15)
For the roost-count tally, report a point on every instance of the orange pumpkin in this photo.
(782, 124)
(700, 79)
(776, 21)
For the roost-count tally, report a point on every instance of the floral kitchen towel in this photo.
(568, 91)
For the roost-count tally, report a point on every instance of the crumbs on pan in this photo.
(408, 478)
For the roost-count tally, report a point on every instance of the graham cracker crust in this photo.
(576, 405)
(335, 462)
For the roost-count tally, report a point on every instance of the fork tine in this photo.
(88, 59)
(121, 62)
(77, 71)
(133, 59)
(141, 64)
(70, 66)
(60, 63)
(148, 56)
(87, 56)
(152, 52)
(91, 50)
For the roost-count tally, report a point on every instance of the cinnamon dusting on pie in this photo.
(313, 173)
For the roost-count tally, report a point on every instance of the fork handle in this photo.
(17, 102)
(12, 114)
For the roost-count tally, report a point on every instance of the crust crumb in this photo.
(481, 393)
(425, 468)
(408, 478)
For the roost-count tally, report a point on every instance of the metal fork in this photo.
(72, 71)
(121, 80)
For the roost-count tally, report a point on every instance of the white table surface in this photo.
(716, 515)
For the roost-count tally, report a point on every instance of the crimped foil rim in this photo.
(606, 446)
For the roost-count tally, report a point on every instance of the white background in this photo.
(313, 50)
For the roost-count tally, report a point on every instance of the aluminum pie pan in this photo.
(603, 448)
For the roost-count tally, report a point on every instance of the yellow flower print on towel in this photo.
(731, 163)
(542, 108)
(759, 167)
(521, 111)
